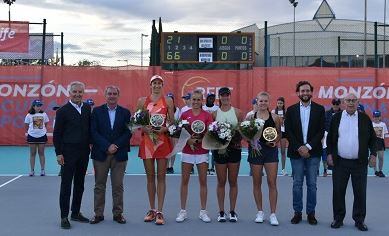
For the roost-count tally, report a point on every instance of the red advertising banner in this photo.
(20, 85)
(14, 36)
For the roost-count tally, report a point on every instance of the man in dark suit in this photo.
(350, 138)
(71, 139)
(111, 137)
(304, 125)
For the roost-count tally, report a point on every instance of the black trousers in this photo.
(341, 173)
(76, 163)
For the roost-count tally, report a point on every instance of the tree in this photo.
(9, 2)
(86, 62)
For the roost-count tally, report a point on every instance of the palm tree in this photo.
(9, 2)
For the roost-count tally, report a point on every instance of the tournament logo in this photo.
(195, 82)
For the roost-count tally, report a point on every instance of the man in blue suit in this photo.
(111, 137)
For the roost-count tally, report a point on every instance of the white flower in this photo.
(259, 122)
(222, 136)
(245, 123)
(172, 129)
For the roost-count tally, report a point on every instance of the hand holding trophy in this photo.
(157, 121)
(198, 128)
(270, 135)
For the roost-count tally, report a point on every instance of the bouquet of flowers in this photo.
(218, 136)
(252, 131)
(139, 119)
(220, 131)
(176, 128)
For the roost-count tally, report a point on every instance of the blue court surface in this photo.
(30, 205)
(14, 160)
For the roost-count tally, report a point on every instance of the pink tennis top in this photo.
(205, 117)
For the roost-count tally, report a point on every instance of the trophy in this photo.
(269, 134)
(156, 121)
(198, 127)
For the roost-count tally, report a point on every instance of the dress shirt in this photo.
(348, 141)
(78, 108)
(112, 115)
(305, 112)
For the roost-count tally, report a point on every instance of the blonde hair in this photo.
(198, 91)
(263, 93)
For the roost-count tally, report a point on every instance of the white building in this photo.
(316, 41)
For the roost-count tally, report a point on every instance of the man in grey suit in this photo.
(111, 140)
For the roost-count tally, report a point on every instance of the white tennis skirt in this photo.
(194, 158)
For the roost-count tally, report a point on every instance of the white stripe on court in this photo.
(17, 177)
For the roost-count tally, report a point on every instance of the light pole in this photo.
(357, 60)
(294, 4)
(384, 54)
(365, 37)
(141, 48)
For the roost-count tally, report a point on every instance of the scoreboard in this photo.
(207, 47)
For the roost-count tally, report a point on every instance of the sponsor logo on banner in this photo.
(14, 36)
(362, 92)
(37, 90)
(201, 83)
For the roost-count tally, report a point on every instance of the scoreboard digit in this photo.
(207, 47)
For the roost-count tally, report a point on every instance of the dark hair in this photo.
(174, 104)
(301, 83)
(32, 110)
(282, 99)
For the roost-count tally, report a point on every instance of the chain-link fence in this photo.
(304, 43)
(81, 49)
(118, 50)
(319, 42)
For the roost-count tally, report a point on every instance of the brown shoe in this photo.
(159, 220)
(120, 219)
(96, 220)
(150, 216)
(296, 218)
(311, 219)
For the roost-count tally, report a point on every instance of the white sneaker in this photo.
(221, 217)
(233, 216)
(273, 219)
(259, 217)
(204, 216)
(181, 216)
(283, 172)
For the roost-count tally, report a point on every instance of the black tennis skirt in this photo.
(380, 144)
(40, 140)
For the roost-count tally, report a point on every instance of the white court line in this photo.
(17, 177)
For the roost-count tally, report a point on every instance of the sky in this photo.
(109, 32)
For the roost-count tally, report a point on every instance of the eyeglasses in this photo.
(351, 100)
(110, 94)
(38, 105)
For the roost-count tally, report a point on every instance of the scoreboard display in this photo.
(207, 47)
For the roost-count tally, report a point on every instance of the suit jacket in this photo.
(103, 135)
(293, 129)
(71, 127)
(366, 135)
